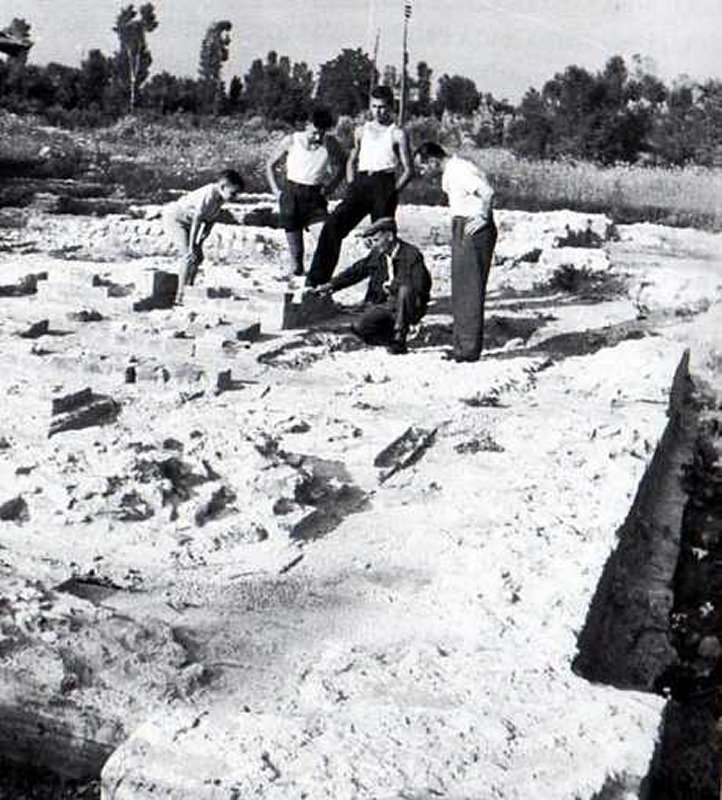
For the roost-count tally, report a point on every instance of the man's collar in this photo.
(392, 255)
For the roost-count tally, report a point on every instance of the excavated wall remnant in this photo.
(625, 641)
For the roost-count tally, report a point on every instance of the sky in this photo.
(505, 46)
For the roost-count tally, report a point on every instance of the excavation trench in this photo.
(653, 624)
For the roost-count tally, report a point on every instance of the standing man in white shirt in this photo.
(314, 168)
(380, 145)
(473, 237)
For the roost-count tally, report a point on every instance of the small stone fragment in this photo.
(15, 510)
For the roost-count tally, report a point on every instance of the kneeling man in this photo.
(399, 286)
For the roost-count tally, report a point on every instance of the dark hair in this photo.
(429, 150)
(322, 118)
(383, 93)
(233, 177)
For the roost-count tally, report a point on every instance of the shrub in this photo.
(584, 283)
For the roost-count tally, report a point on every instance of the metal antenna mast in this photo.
(405, 63)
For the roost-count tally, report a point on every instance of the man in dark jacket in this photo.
(399, 286)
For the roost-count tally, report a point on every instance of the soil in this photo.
(379, 564)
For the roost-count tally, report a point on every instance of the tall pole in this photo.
(372, 82)
(405, 62)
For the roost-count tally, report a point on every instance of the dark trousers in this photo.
(470, 263)
(371, 193)
(381, 323)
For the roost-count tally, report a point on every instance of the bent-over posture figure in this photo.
(188, 222)
(399, 287)
(314, 168)
(473, 237)
(379, 147)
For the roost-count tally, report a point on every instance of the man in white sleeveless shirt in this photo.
(379, 147)
(314, 167)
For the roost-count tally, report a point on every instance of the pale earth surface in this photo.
(420, 649)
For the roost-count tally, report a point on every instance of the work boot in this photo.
(397, 346)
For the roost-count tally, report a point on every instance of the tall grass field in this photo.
(146, 160)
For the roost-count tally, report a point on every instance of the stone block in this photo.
(27, 285)
(249, 333)
(163, 293)
(36, 330)
(311, 308)
(82, 409)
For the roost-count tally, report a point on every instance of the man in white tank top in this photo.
(314, 167)
(380, 146)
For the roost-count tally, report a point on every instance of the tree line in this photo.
(622, 113)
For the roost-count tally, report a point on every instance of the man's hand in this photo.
(325, 290)
(194, 256)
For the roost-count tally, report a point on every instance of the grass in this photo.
(584, 283)
(145, 160)
(676, 196)
(149, 159)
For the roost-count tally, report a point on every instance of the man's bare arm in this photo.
(276, 156)
(353, 157)
(407, 162)
(194, 236)
(338, 162)
(205, 232)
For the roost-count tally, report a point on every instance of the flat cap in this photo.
(383, 224)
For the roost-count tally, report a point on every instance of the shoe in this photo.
(397, 347)
(450, 355)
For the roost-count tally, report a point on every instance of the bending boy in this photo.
(188, 222)
(379, 147)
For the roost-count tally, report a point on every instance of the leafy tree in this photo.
(571, 99)
(214, 53)
(531, 128)
(296, 102)
(278, 89)
(344, 82)
(709, 103)
(62, 84)
(492, 119)
(608, 116)
(133, 59)
(689, 129)
(235, 94)
(19, 31)
(422, 106)
(391, 78)
(96, 71)
(168, 94)
(15, 77)
(265, 85)
(457, 94)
